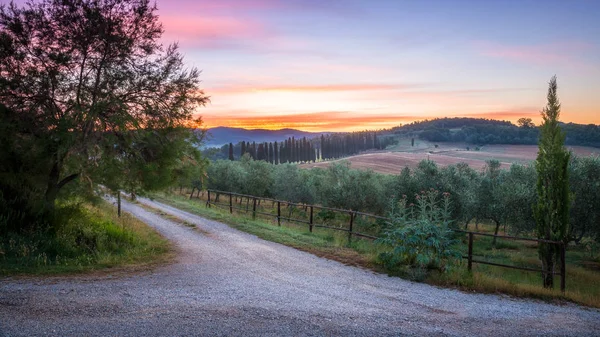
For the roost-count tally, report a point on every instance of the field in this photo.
(393, 160)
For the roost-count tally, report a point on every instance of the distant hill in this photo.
(220, 136)
(487, 131)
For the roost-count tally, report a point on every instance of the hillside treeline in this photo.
(487, 131)
(292, 150)
(501, 197)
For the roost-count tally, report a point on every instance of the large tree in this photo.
(552, 208)
(85, 80)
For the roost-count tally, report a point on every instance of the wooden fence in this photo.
(236, 201)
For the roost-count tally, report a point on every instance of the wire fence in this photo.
(354, 223)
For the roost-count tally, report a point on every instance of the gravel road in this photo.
(227, 283)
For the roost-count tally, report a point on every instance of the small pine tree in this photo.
(552, 209)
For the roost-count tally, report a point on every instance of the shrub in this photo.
(420, 235)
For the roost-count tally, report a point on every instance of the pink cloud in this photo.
(307, 88)
(221, 5)
(213, 31)
(552, 53)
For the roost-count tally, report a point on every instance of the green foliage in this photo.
(357, 190)
(420, 235)
(88, 237)
(479, 131)
(105, 102)
(292, 183)
(505, 197)
(584, 181)
(552, 209)
(517, 195)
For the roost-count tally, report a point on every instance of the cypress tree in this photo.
(275, 154)
(260, 152)
(552, 209)
(293, 151)
(231, 152)
(303, 151)
(243, 150)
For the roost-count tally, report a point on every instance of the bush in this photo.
(85, 237)
(420, 235)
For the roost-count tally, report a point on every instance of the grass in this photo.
(583, 272)
(93, 238)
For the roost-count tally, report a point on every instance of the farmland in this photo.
(394, 159)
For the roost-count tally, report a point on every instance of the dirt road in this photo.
(226, 283)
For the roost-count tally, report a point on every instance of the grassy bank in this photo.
(93, 238)
(583, 276)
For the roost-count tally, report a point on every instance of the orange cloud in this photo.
(347, 120)
(510, 115)
(317, 121)
(307, 88)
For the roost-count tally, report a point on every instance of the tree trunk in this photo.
(119, 203)
(496, 233)
(192, 194)
(548, 266)
(54, 185)
(467, 223)
(52, 188)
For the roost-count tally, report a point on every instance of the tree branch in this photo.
(67, 180)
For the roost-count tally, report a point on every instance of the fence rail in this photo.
(352, 232)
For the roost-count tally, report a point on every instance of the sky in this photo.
(346, 65)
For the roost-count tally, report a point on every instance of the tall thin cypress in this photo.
(231, 152)
(552, 209)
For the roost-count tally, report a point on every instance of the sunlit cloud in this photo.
(238, 5)
(308, 88)
(214, 32)
(509, 115)
(316, 121)
(553, 53)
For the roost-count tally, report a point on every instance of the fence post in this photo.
(208, 199)
(563, 266)
(230, 203)
(310, 220)
(278, 213)
(254, 208)
(470, 264)
(351, 223)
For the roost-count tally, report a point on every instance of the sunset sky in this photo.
(343, 65)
